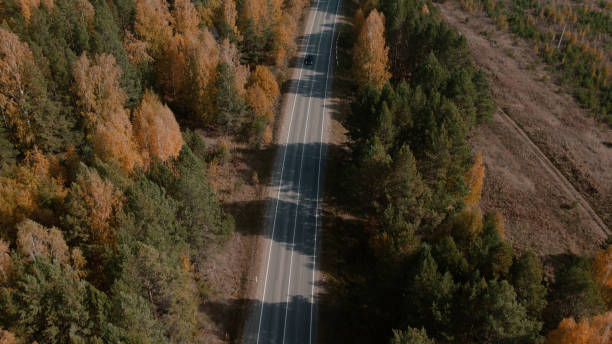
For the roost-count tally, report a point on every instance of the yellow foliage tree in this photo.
(499, 224)
(153, 23)
(263, 92)
(135, 48)
(473, 179)
(97, 86)
(5, 262)
(256, 12)
(155, 129)
(34, 240)
(284, 43)
(202, 59)
(295, 8)
(26, 7)
(20, 188)
(171, 69)
(229, 15)
(259, 102)
(602, 266)
(16, 67)
(101, 203)
(102, 99)
(598, 330)
(468, 224)
(370, 55)
(87, 11)
(7, 337)
(185, 17)
(230, 54)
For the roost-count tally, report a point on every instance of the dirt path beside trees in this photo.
(547, 161)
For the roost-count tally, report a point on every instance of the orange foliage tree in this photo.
(20, 192)
(602, 266)
(171, 69)
(26, 7)
(284, 43)
(185, 17)
(102, 99)
(136, 49)
(473, 179)
(255, 12)
(152, 24)
(370, 55)
(155, 129)
(263, 92)
(156, 26)
(227, 16)
(202, 58)
(7, 337)
(598, 330)
(295, 7)
(86, 10)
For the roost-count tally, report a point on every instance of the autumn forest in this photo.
(412, 256)
(106, 212)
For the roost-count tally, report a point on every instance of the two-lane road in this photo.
(285, 311)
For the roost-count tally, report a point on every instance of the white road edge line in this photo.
(314, 256)
(297, 205)
(263, 297)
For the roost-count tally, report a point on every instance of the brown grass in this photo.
(547, 163)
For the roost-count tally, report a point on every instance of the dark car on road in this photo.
(309, 60)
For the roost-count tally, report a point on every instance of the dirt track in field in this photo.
(548, 163)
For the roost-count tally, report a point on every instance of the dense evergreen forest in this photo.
(426, 264)
(106, 212)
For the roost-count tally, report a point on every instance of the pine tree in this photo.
(527, 277)
(404, 196)
(432, 294)
(411, 336)
(230, 106)
(47, 303)
(499, 317)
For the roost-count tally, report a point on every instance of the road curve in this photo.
(285, 308)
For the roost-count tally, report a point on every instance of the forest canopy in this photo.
(106, 209)
(424, 263)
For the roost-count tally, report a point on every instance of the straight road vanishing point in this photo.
(285, 311)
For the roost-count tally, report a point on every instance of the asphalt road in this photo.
(285, 309)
